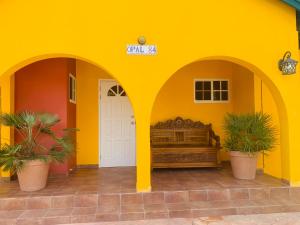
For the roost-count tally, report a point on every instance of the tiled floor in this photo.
(196, 179)
(123, 180)
(146, 222)
(259, 219)
(93, 195)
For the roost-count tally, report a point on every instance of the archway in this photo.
(34, 87)
(249, 90)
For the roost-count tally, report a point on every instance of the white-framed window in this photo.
(72, 88)
(211, 90)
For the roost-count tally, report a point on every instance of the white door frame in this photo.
(99, 119)
(100, 137)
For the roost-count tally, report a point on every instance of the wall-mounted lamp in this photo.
(287, 65)
(141, 40)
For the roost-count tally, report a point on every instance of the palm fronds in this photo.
(32, 129)
(249, 132)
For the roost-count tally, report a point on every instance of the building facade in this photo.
(236, 43)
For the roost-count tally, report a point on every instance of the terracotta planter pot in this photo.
(33, 176)
(243, 165)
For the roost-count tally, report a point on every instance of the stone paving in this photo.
(145, 222)
(258, 219)
(123, 180)
(89, 196)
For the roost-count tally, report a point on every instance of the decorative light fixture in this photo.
(141, 40)
(287, 65)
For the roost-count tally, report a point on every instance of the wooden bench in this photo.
(183, 143)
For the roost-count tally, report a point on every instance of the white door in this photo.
(117, 126)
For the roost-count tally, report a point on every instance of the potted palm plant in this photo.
(247, 135)
(29, 157)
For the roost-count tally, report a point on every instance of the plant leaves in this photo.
(31, 126)
(249, 132)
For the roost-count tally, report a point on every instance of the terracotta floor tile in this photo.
(8, 221)
(56, 220)
(13, 204)
(279, 192)
(13, 214)
(259, 193)
(156, 208)
(199, 205)
(176, 196)
(219, 204)
(218, 194)
(295, 193)
(213, 212)
(109, 194)
(241, 203)
(83, 211)
(156, 215)
(38, 202)
(109, 209)
(250, 210)
(134, 198)
(154, 198)
(178, 206)
(108, 200)
(34, 213)
(30, 221)
(132, 216)
(86, 200)
(58, 212)
(123, 180)
(64, 201)
(181, 214)
(106, 217)
(83, 218)
(196, 196)
(239, 193)
(132, 208)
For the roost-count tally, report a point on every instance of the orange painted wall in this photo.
(43, 87)
(71, 109)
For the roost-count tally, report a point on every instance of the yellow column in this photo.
(289, 109)
(294, 145)
(143, 150)
(7, 106)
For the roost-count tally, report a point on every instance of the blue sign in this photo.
(141, 50)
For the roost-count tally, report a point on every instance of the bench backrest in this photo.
(181, 132)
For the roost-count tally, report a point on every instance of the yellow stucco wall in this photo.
(7, 105)
(243, 90)
(184, 32)
(271, 162)
(176, 98)
(87, 119)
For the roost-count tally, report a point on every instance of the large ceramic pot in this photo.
(243, 165)
(33, 176)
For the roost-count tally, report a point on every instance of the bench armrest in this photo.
(216, 138)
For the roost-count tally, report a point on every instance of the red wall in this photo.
(43, 87)
(71, 109)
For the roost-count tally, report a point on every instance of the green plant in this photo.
(33, 129)
(249, 133)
